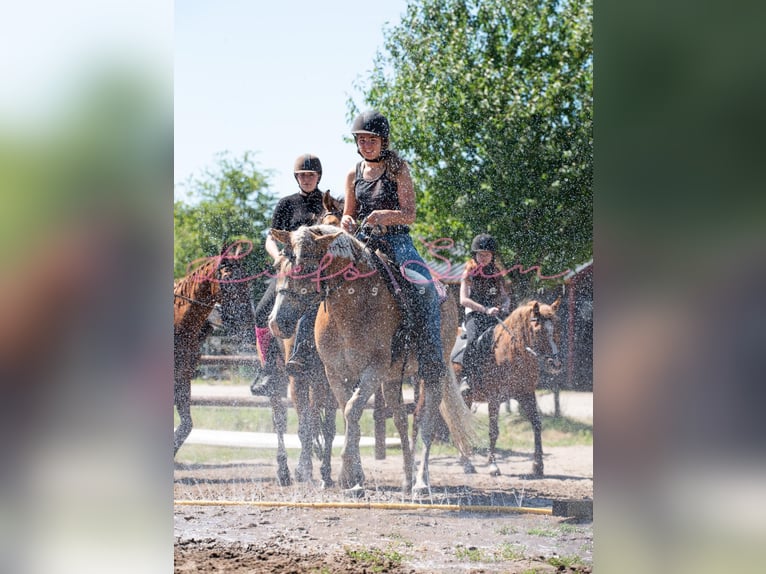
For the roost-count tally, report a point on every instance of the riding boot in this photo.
(270, 381)
(303, 356)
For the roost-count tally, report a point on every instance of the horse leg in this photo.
(493, 407)
(433, 396)
(306, 427)
(351, 473)
(528, 405)
(393, 397)
(279, 418)
(182, 401)
(329, 409)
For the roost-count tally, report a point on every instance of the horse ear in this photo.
(555, 304)
(536, 308)
(280, 235)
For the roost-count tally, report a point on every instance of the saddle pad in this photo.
(441, 291)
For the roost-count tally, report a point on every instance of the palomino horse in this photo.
(526, 341)
(354, 330)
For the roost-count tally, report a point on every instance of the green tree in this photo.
(491, 101)
(227, 203)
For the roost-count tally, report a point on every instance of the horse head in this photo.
(308, 264)
(545, 335)
(333, 210)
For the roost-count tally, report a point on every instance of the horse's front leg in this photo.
(493, 408)
(528, 405)
(306, 428)
(324, 397)
(182, 401)
(392, 393)
(351, 473)
(279, 418)
(433, 396)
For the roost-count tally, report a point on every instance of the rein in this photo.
(190, 300)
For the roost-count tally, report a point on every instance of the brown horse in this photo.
(217, 280)
(221, 279)
(526, 341)
(354, 330)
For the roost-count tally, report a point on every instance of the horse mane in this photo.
(185, 287)
(343, 246)
(520, 321)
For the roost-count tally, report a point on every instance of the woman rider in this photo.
(484, 295)
(379, 193)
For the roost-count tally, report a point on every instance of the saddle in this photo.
(404, 292)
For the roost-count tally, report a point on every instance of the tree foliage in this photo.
(229, 202)
(491, 101)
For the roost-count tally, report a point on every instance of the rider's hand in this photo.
(348, 223)
(492, 311)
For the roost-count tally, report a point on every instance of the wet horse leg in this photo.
(182, 399)
(433, 396)
(392, 393)
(528, 405)
(306, 428)
(279, 418)
(493, 408)
(351, 473)
(328, 407)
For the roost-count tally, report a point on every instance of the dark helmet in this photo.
(372, 122)
(307, 162)
(483, 242)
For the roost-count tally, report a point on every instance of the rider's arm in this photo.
(348, 221)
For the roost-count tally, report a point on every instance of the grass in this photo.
(544, 532)
(505, 552)
(375, 559)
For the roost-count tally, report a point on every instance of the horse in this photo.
(220, 280)
(354, 330)
(522, 344)
(217, 281)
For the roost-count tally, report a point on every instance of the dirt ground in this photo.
(328, 538)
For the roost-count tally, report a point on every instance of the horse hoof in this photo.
(469, 468)
(283, 477)
(356, 491)
(537, 471)
(420, 490)
(494, 470)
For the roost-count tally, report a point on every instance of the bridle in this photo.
(194, 301)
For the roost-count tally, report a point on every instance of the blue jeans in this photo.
(407, 258)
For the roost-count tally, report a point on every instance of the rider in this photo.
(484, 295)
(379, 192)
(291, 212)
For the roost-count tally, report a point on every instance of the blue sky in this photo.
(273, 78)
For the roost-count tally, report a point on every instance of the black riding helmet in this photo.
(372, 122)
(483, 242)
(307, 162)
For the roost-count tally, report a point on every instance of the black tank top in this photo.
(486, 290)
(380, 193)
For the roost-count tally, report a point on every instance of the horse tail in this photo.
(458, 416)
